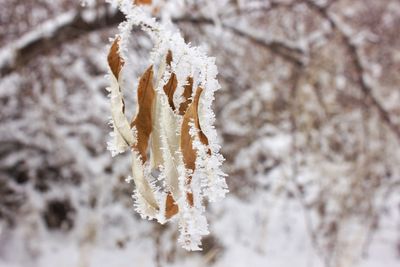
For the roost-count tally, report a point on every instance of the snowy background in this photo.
(308, 117)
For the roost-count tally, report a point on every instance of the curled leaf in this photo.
(165, 185)
(115, 61)
(143, 186)
(170, 145)
(143, 119)
(188, 152)
(123, 137)
(156, 153)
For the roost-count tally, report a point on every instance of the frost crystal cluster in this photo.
(175, 155)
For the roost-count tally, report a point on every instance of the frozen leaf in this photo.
(122, 135)
(184, 165)
(191, 115)
(147, 203)
(115, 61)
(156, 154)
(188, 151)
(143, 119)
(169, 123)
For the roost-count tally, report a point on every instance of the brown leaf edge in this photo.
(143, 119)
(170, 86)
(187, 93)
(188, 152)
(115, 61)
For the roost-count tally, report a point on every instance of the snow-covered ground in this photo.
(256, 232)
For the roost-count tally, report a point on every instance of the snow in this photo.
(324, 188)
(261, 232)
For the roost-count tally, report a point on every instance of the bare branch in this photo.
(76, 27)
(359, 69)
(291, 54)
(40, 42)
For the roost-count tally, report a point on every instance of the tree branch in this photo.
(39, 42)
(293, 55)
(366, 89)
(27, 48)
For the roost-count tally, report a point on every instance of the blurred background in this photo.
(308, 117)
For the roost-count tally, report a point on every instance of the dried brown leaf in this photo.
(188, 151)
(115, 61)
(143, 119)
(169, 89)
